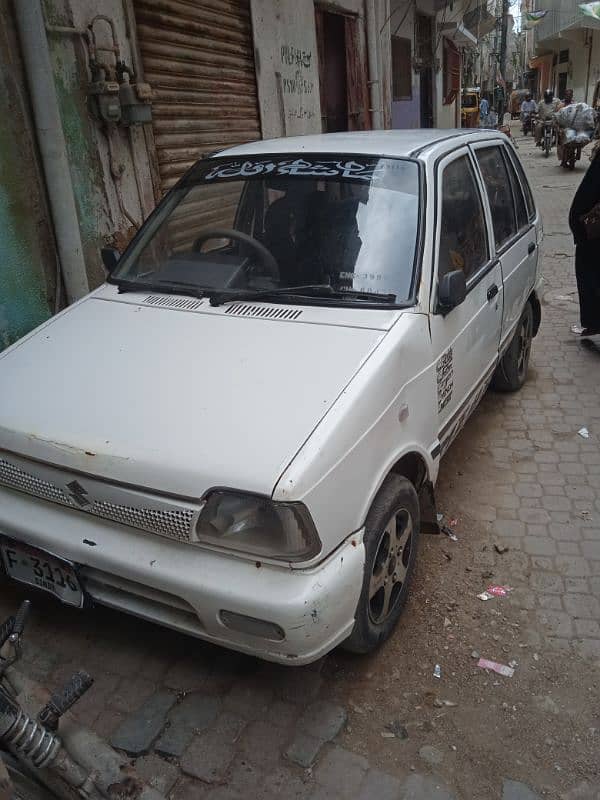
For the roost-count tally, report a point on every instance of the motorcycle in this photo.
(35, 762)
(527, 122)
(548, 137)
(568, 149)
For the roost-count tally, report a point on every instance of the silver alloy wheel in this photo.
(525, 330)
(390, 566)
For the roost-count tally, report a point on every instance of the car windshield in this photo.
(345, 224)
(469, 101)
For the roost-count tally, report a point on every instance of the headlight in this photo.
(257, 526)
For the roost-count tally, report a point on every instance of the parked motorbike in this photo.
(35, 762)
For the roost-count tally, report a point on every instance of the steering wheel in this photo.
(265, 257)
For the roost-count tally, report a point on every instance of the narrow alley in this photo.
(521, 489)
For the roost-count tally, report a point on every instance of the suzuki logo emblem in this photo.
(78, 494)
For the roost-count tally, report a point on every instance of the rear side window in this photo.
(520, 209)
(524, 183)
(495, 178)
(463, 239)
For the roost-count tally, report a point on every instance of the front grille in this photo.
(176, 524)
(150, 513)
(16, 478)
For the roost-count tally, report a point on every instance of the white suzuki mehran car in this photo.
(238, 434)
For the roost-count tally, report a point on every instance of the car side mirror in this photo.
(110, 258)
(452, 290)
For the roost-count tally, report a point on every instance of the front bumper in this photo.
(186, 587)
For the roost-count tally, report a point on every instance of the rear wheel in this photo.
(391, 537)
(511, 372)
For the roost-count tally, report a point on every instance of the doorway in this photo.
(562, 84)
(334, 109)
(424, 54)
(342, 73)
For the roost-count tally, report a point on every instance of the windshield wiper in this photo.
(297, 292)
(172, 287)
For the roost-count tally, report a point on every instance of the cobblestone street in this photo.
(521, 488)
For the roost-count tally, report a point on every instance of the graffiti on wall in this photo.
(287, 68)
(297, 79)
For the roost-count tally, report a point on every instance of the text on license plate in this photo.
(37, 568)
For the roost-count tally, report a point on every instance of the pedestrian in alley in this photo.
(584, 221)
(484, 110)
(568, 98)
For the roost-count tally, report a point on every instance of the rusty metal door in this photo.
(342, 73)
(331, 42)
(199, 59)
(359, 117)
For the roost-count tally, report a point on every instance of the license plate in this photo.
(35, 567)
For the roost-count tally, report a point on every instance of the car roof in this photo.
(392, 143)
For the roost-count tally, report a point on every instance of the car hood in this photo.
(173, 401)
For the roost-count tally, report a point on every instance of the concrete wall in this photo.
(595, 66)
(575, 42)
(27, 256)
(406, 113)
(578, 56)
(287, 68)
(447, 116)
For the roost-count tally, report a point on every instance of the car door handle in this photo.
(492, 292)
(531, 247)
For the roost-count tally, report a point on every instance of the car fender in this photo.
(388, 411)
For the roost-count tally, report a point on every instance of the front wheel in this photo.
(511, 372)
(547, 145)
(391, 537)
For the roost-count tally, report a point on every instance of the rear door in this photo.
(515, 238)
(465, 340)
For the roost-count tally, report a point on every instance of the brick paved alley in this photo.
(524, 490)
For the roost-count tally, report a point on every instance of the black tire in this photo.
(391, 541)
(511, 372)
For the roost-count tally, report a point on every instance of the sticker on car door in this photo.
(445, 378)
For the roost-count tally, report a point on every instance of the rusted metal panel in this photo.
(202, 10)
(359, 118)
(189, 40)
(199, 59)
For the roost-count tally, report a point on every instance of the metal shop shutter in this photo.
(198, 57)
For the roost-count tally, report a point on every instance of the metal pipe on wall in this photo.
(51, 142)
(373, 59)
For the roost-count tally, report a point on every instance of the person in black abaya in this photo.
(587, 252)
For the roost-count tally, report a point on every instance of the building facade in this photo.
(106, 103)
(567, 50)
(429, 40)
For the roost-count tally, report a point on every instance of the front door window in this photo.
(463, 239)
(495, 178)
